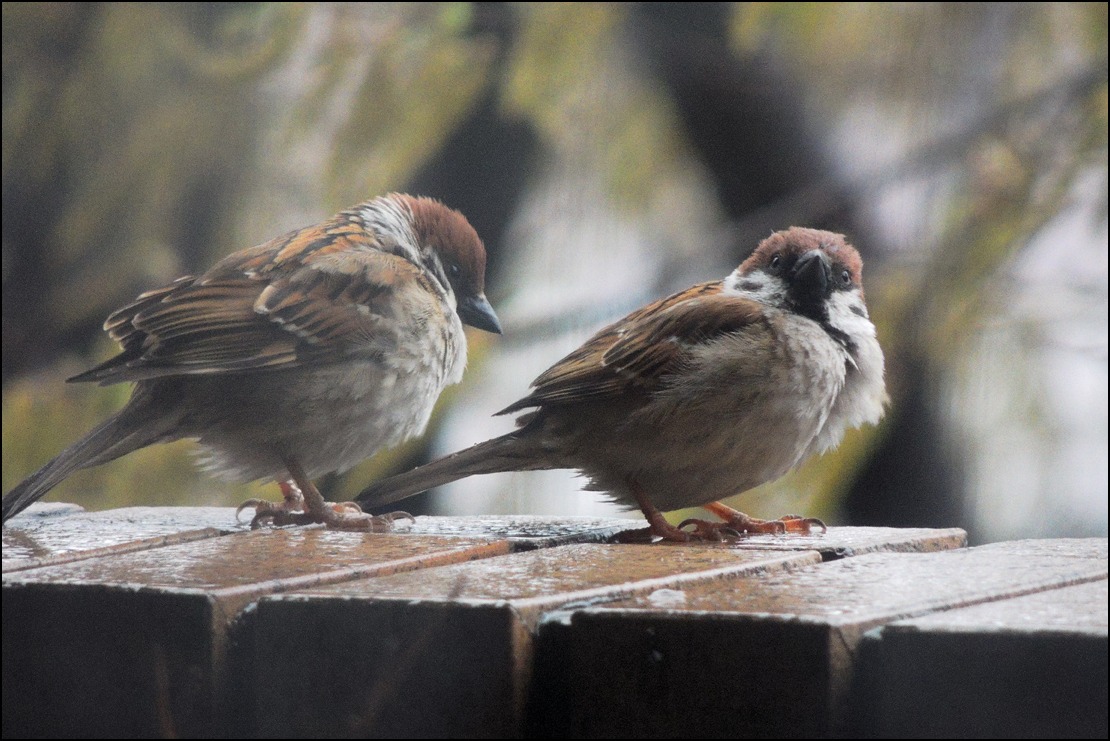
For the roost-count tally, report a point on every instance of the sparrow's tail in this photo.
(116, 436)
(511, 452)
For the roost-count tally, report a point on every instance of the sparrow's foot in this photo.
(800, 524)
(336, 516)
(711, 532)
(336, 519)
(268, 512)
(736, 524)
(292, 510)
(742, 524)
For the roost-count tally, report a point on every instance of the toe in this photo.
(797, 524)
(398, 515)
(363, 522)
(254, 504)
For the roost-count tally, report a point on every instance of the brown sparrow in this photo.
(701, 395)
(295, 358)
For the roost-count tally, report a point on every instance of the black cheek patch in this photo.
(858, 311)
(839, 336)
(750, 285)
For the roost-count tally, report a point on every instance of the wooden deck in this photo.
(177, 622)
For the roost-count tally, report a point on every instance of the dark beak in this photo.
(810, 279)
(476, 311)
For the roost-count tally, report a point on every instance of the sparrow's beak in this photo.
(811, 278)
(476, 311)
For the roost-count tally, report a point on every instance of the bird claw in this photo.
(703, 530)
(272, 513)
(335, 515)
(398, 515)
(289, 511)
(741, 526)
(269, 513)
(338, 516)
(250, 503)
(800, 524)
(338, 520)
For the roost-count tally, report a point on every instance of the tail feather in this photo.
(506, 453)
(110, 440)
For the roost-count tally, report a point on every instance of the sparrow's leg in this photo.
(657, 524)
(338, 516)
(739, 523)
(301, 494)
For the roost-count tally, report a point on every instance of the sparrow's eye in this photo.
(453, 270)
(846, 278)
(776, 261)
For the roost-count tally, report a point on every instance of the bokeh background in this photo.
(608, 154)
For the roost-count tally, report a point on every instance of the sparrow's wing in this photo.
(313, 296)
(639, 351)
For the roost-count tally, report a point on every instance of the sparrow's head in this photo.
(442, 241)
(813, 273)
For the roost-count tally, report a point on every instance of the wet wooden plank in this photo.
(149, 603)
(447, 652)
(1033, 666)
(525, 532)
(48, 534)
(144, 643)
(51, 534)
(843, 542)
(769, 655)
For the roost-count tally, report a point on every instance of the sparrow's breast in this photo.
(330, 416)
(743, 410)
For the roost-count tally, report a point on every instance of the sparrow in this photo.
(701, 395)
(295, 358)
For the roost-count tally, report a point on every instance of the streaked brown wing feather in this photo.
(638, 351)
(255, 310)
(342, 299)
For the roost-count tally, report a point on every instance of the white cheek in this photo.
(757, 285)
(864, 394)
(848, 313)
